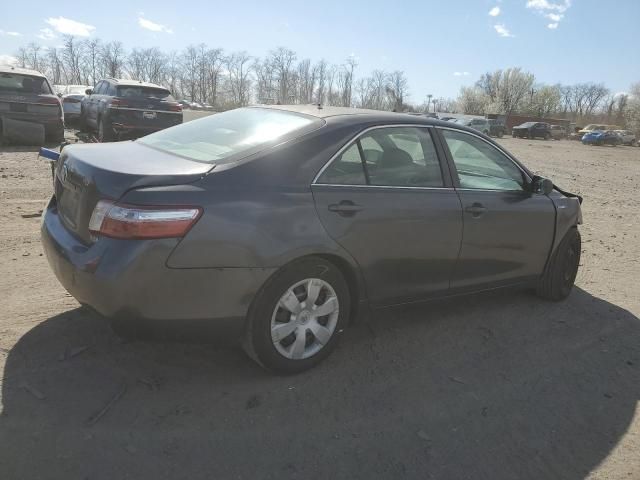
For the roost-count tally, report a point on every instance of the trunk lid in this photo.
(87, 173)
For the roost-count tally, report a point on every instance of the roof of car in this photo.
(329, 111)
(134, 83)
(19, 70)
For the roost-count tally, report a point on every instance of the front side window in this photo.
(481, 166)
(393, 157)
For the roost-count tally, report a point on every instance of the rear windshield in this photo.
(145, 92)
(216, 138)
(17, 83)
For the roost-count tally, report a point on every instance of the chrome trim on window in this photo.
(355, 138)
(380, 186)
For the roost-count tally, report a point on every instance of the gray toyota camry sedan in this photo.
(281, 222)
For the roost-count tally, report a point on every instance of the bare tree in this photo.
(72, 57)
(238, 66)
(112, 56)
(281, 60)
(397, 87)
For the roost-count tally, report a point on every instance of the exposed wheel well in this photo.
(350, 276)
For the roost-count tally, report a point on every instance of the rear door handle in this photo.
(476, 210)
(345, 208)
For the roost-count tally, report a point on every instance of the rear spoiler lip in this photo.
(568, 194)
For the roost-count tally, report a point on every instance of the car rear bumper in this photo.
(129, 279)
(52, 124)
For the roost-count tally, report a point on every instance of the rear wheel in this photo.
(105, 132)
(558, 279)
(547, 136)
(295, 320)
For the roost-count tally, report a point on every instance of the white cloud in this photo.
(8, 60)
(494, 12)
(46, 34)
(70, 27)
(460, 74)
(154, 27)
(553, 11)
(502, 30)
(10, 34)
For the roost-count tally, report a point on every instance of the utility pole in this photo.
(428, 101)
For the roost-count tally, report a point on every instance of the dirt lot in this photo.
(499, 386)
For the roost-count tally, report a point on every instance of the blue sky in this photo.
(441, 45)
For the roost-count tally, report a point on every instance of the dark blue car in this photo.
(601, 137)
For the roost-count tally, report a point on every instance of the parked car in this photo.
(119, 109)
(558, 132)
(279, 223)
(479, 124)
(602, 137)
(496, 128)
(26, 96)
(595, 126)
(72, 96)
(532, 130)
(184, 104)
(627, 137)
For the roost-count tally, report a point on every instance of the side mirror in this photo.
(88, 91)
(541, 185)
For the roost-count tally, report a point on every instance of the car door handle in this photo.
(476, 210)
(345, 208)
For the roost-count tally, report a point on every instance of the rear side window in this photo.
(347, 169)
(144, 92)
(393, 157)
(17, 83)
(224, 136)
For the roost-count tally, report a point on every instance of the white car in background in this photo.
(627, 137)
(72, 96)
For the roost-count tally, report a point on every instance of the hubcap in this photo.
(304, 319)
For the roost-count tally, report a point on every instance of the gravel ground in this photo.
(496, 386)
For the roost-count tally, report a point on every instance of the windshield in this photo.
(527, 124)
(215, 138)
(15, 82)
(145, 92)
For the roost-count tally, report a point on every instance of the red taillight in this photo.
(175, 107)
(49, 101)
(142, 222)
(116, 102)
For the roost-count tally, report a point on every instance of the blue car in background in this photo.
(601, 137)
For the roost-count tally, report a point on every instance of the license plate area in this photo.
(18, 107)
(149, 115)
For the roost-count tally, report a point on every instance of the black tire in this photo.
(105, 132)
(547, 136)
(82, 122)
(558, 279)
(258, 342)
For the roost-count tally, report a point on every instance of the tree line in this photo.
(224, 80)
(231, 79)
(516, 91)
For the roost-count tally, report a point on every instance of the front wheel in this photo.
(559, 276)
(295, 320)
